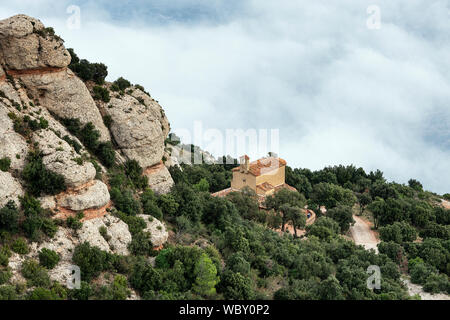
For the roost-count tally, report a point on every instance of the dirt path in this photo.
(363, 235)
(416, 289)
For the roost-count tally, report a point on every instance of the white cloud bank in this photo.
(339, 92)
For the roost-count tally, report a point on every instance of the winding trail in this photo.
(363, 235)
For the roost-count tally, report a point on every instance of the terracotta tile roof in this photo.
(222, 193)
(264, 165)
(266, 186)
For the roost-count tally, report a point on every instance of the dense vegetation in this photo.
(237, 254)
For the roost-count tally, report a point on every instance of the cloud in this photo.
(338, 91)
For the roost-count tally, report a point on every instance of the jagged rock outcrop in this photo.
(139, 127)
(117, 230)
(12, 145)
(39, 59)
(65, 241)
(10, 189)
(60, 157)
(66, 96)
(94, 196)
(159, 178)
(157, 230)
(26, 44)
(37, 91)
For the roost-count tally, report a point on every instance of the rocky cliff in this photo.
(59, 141)
(36, 85)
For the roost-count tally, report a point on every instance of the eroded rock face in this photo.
(139, 128)
(25, 44)
(159, 179)
(118, 231)
(65, 95)
(94, 196)
(59, 157)
(10, 189)
(157, 230)
(12, 144)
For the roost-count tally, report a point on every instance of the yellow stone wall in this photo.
(238, 180)
(275, 177)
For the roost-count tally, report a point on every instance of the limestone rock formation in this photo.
(157, 230)
(10, 189)
(65, 95)
(12, 145)
(138, 127)
(94, 195)
(60, 157)
(117, 230)
(159, 178)
(38, 88)
(26, 44)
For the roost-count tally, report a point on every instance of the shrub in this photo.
(141, 244)
(105, 152)
(48, 258)
(149, 200)
(107, 120)
(35, 274)
(135, 173)
(36, 221)
(436, 283)
(90, 136)
(74, 223)
(91, 260)
(20, 246)
(135, 224)
(5, 163)
(101, 93)
(40, 180)
(122, 83)
(419, 272)
(55, 293)
(104, 233)
(398, 232)
(75, 145)
(125, 201)
(5, 275)
(9, 217)
(8, 293)
(86, 70)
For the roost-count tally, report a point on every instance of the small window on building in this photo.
(244, 180)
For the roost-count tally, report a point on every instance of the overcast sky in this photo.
(338, 91)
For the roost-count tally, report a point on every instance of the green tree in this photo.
(206, 276)
(282, 200)
(343, 215)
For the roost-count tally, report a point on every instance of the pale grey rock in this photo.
(47, 202)
(62, 272)
(2, 73)
(160, 180)
(154, 108)
(10, 189)
(157, 230)
(23, 45)
(62, 243)
(120, 235)
(59, 157)
(137, 130)
(116, 229)
(65, 95)
(15, 265)
(91, 197)
(12, 144)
